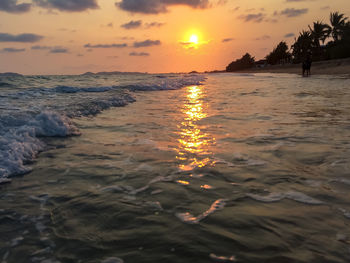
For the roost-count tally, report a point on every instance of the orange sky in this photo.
(156, 39)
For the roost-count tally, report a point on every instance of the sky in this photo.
(155, 36)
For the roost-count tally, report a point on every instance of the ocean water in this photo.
(175, 168)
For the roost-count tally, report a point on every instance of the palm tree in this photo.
(338, 21)
(302, 45)
(319, 32)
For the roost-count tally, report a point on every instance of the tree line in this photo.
(322, 41)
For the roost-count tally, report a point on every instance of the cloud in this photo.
(227, 40)
(13, 50)
(24, 38)
(327, 7)
(106, 45)
(132, 24)
(235, 9)
(53, 49)
(289, 35)
(68, 5)
(264, 37)
(292, 12)
(222, 2)
(11, 6)
(256, 18)
(59, 50)
(147, 43)
(40, 48)
(140, 54)
(158, 6)
(154, 24)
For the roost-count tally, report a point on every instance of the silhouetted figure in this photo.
(307, 65)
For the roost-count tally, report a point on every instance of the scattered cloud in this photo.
(292, 12)
(289, 35)
(24, 38)
(139, 54)
(253, 17)
(235, 9)
(112, 57)
(110, 25)
(40, 48)
(106, 45)
(147, 43)
(158, 6)
(13, 50)
(56, 50)
(154, 24)
(264, 37)
(132, 24)
(222, 2)
(11, 6)
(327, 7)
(68, 5)
(227, 40)
(51, 49)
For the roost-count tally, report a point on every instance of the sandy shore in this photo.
(331, 67)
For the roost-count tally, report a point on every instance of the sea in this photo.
(112, 168)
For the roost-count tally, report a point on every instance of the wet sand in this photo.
(329, 67)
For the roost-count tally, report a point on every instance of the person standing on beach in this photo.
(307, 65)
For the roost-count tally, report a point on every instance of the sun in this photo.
(194, 39)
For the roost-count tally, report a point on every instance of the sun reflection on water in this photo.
(194, 143)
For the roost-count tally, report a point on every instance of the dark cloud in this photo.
(264, 37)
(132, 24)
(140, 54)
(56, 50)
(13, 50)
(30, 38)
(289, 35)
(158, 6)
(256, 18)
(68, 5)
(11, 6)
(106, 45)
(147, 43)
(292, 12)
(227, 40)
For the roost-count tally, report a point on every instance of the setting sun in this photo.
(194, 39)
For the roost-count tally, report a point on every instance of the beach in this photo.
(328, 67)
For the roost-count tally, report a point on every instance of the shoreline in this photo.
(328, 67)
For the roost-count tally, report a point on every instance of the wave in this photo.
(21, 130)
(296, 196)
(20, 145)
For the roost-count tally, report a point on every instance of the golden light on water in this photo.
(194, 143)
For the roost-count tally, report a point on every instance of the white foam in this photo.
(190, 219)
(296, 196)
(20, 144)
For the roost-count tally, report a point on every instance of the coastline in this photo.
(328, 67)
